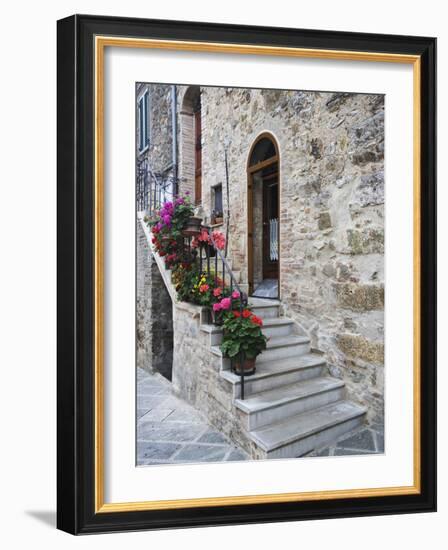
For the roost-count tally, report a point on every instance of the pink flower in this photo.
(217, 307)
(226, 303)
(217, 291)
(203, 236)
(203, 288)
(235, 294)
(219, 239)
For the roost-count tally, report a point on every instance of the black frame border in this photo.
(75, 294)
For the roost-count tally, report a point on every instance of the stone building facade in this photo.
(329, 171)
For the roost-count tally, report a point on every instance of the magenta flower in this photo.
(235, 294)
(226, 303)
(217, 307)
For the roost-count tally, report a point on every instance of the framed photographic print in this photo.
(246, 274)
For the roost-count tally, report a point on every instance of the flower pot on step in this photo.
(193, 227)
(248, 366)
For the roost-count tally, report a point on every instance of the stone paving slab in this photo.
(364, 441)
(170, 431)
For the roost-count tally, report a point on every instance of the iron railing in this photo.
(151, 189)
(215, 261)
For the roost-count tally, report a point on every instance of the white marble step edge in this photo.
(268, 407)
(271, 399)
(281, 435)
(268, 369)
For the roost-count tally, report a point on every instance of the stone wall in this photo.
(332, 215)
(154, 315)
(331, 167)
(143, 302)
(161, 127)
(159, 154)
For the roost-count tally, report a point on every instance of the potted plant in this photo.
(167, 227)
(243, 340)
(217, 217)
(192, 227)
(223, 302)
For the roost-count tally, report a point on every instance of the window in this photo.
(143, 121)
(217, 201)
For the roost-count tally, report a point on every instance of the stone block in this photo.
(324, 220)
(316, 148)
(365, 241)
(359, 297)
(358, 347)
(367, 140)
(370, 190)
(336, 101)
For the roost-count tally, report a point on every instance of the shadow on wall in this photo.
(154, 314)
(162, 326)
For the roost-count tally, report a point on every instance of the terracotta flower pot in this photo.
(193, 227)
(248, 366)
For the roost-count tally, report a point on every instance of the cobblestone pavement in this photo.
(169, 431)
(363, 441)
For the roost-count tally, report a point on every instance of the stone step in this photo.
(272, 375)
(271, 406)
(285, 346)
(264, 308)
(275, 327)
(278, 348)
(301, 434)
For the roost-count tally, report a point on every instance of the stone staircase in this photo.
(292, 406)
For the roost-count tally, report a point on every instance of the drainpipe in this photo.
(174, 135)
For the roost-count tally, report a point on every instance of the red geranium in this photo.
(246, 313)
(257, 320)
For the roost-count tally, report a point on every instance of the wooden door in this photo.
(271, 228)
(197, 157)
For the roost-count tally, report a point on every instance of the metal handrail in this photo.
(233, 285)
(151, 190)
(224, 261)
